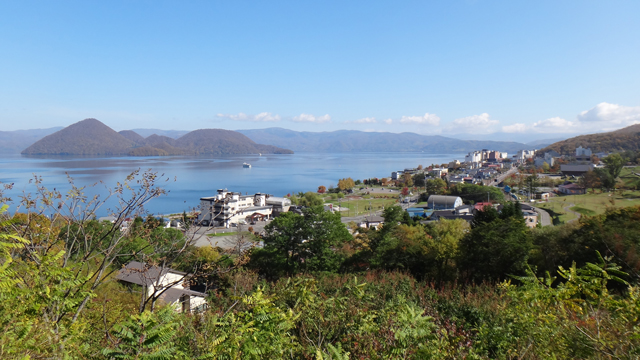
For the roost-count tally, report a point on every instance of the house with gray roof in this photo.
(168, 285)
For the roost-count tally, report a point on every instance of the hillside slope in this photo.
(87, 137)
(223, 142)
(627, 138)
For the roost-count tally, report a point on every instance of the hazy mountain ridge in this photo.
(92, 137)
(360, 141)
(16, 141)
(627, 138)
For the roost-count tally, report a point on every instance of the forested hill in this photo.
(620, 140)
(360, 141)
(87, 137)
(92, 137)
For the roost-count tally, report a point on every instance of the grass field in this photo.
(589, 204)
(627, 175)
(361, 206)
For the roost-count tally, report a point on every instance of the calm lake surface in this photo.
(193, 177)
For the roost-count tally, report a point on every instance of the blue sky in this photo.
(464, 68)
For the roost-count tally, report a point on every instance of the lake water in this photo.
(196, 176)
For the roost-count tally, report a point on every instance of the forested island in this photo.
(92, 137)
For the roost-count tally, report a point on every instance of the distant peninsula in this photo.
(92, 137)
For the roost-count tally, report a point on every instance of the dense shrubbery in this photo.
(490, 290)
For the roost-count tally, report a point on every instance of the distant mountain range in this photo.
(627, 138)
(360, 141)
(91, 137)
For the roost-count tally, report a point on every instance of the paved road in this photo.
(199, 235)
(545, 218)
(502, 177)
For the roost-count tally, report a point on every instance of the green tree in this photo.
(310, 199)
(497, 245)
(531, 183)
(443, 247)
(606, 180)
(436, 186)
(613, 164)
(590, 180)
(296, 243)
(418, 180)
(407, 180)
(477, 193)
(546, 167)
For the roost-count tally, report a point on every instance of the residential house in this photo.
(544, 196)
(450, 215)
(371, 222)
(168, 285)
(572, 189)
(439, 172)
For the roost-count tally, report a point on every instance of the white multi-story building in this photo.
(583, 152)
(439, 172)
(473, 157)
(228, 208)
(524, 154)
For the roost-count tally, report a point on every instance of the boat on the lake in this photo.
(246, 165)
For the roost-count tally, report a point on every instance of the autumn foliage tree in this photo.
(346, 184)
(322, 189)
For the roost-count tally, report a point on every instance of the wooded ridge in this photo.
(92, 137)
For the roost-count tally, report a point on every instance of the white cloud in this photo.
(427, 119)
(262, 117)
(473, 124)
(367, 120)
(548, 126)
(555, 124)
(515, 128)
(388, 121)
(312, 118)
(605, 116)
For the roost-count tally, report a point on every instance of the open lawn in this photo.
(589, 204)
(361, 206)
(627, 175)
